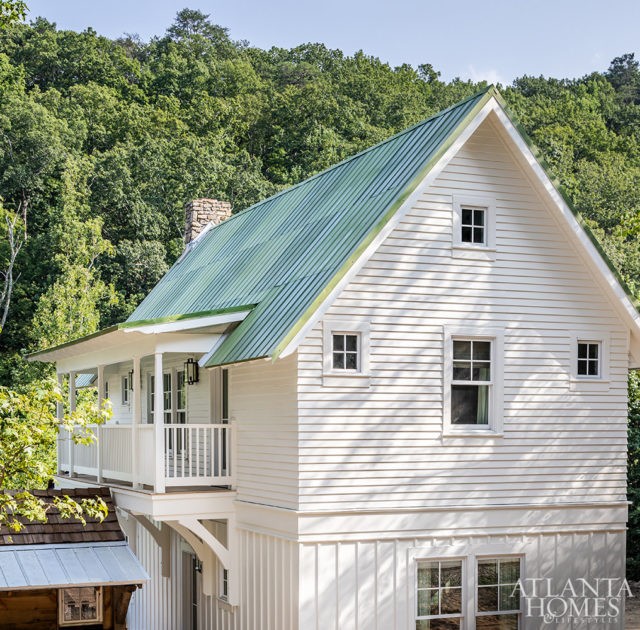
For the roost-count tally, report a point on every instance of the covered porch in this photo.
(170, 425)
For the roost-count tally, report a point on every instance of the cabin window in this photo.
(181, 397)
(473, 225)
(167, 398)
(589, 359)
(498, 594)
(439, 595)
(345, 351)
(77, 606)
(126, 389)
(471, 382)
(473, 232)
(224, 584)
(106, 389)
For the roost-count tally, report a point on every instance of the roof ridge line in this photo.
(489, 88)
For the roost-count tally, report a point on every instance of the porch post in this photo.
(99, 427)
(60, 416)
(136, 409)
(72, 408)
(158, 419)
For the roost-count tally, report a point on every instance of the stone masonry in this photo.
(200, 212)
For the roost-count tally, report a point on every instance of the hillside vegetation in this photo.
(102, 141)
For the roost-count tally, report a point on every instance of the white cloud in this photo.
(490, 76)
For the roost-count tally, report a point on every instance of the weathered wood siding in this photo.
(263, 404)
(382, 446)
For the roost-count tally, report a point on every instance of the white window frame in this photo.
(80, 622)
(496, 389)
(461, 249)
(346, 378)
(469, 554)
(497, 556)
(127, 386)
(578, 381)
(463, 586)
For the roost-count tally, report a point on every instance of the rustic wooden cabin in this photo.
(62, 574)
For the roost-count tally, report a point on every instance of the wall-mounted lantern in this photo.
(191, 370)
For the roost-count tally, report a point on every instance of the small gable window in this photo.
(473, 226)
(345, 351)
(589, 357)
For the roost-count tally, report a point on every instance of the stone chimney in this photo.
(200, 212)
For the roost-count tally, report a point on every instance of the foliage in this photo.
(103, 141)
(28, 432)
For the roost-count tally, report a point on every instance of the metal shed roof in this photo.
(282, 253)
(58, 566)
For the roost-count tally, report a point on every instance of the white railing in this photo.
(194, 454)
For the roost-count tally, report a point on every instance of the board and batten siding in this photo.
(368, 585)
(263, 404)
(382, 446)
(268, 586)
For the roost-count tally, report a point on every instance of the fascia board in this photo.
(397, 212)
(580, 233)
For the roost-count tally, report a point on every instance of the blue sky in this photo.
(494, 40)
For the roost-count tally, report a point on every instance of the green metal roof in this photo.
(284, 254)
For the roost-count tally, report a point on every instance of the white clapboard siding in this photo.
(366, 585)
(264, 408)
(381, 447)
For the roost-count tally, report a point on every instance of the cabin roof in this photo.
(279, 260)
(283, 253)
(64, 552)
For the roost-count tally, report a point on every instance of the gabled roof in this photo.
(285, 253)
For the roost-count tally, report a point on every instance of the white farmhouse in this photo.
(374, 400)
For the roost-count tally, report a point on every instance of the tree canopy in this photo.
(102, 141)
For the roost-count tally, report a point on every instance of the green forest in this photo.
(103, 141)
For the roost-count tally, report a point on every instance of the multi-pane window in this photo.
(126, 389)
(589, 358)
(470, 382)
(473, 226)
(498, 594)
(106, 389)
(167, 397)
(81, 605)
(345, 351)
(181, 397)
(439, 590)
(224, 584)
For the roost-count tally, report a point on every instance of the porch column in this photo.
(60, 416)
(72, 408)
(136, 410)
(158, 420)
(99, 433)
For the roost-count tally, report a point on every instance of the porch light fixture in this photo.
(191, 370)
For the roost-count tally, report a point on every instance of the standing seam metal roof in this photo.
(282, 253)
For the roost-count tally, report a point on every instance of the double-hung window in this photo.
(127, 386)
(473, 369)
(498, 594)
(439, 595)
(471, 382)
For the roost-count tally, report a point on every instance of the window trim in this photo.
(496, 390)
(346, 378)
(577, 381)
(79, 622)
(469, 554)
(497, 556)
(461, 248)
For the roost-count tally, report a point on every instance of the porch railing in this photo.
(194, 454)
